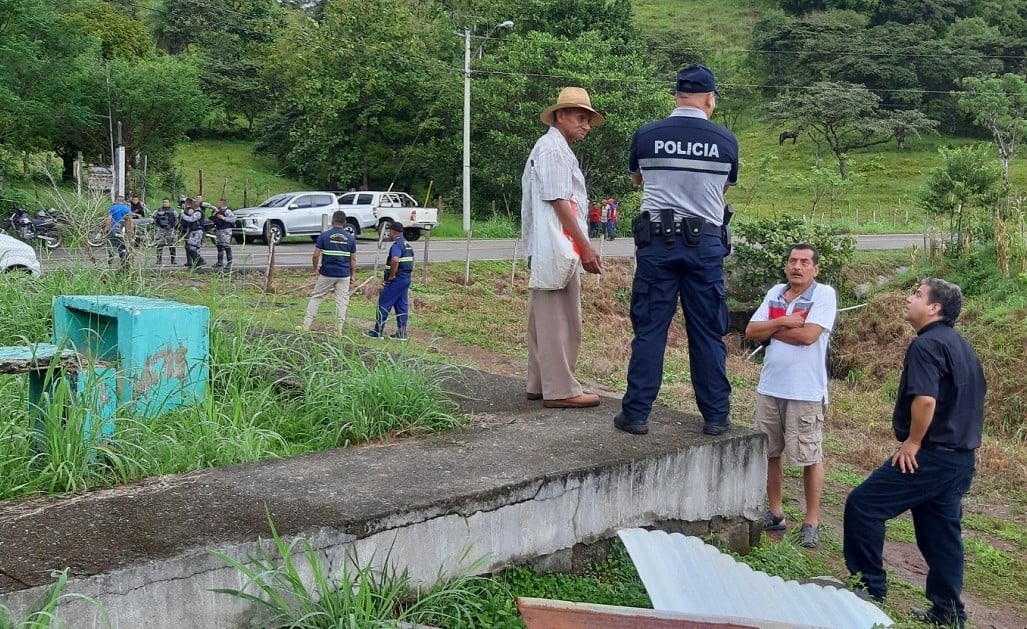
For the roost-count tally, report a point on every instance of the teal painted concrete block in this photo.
(93, 393)
(159, 349)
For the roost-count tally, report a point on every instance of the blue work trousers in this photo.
(693, 276)
(393, 296)
(934, 495)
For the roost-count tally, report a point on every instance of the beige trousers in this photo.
(554, 339)
(323, 286)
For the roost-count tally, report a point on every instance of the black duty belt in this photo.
(708, 229)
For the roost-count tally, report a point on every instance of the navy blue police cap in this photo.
(696, 79)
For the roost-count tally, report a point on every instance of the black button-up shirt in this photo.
(941, 364)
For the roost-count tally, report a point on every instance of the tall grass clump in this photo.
(353, 397)
(42, 614)
(270, 395)
(292, 586)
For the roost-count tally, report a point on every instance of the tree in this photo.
(367, 101)
(530, 70)
(999, 104)
(843, 117)
(966, 184)
(762, 247)
(44, 62)
(120, 34)
(157, 100)
(233, 41)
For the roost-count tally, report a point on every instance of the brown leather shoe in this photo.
(533, 396)
(584, 400)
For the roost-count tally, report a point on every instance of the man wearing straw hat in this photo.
(553, 206)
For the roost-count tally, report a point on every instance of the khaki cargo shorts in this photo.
(794, 428)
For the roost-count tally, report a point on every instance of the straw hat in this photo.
(571, 97)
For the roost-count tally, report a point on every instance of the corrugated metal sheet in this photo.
(686, 575)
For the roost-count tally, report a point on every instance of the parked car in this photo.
(375, 209)
(17, 256)
(286, 214)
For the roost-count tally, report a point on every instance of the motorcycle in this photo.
(44, 226)
(144, 234)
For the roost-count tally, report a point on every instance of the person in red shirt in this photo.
(594, 220)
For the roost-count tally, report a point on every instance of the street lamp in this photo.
(467, 119)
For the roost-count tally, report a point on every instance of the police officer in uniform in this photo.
(166, 219)
(192, 220)
(224, 221)
(397, 284)
(686, 164)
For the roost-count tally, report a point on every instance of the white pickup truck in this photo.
(375, 210)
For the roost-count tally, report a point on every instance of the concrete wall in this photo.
(714, 485)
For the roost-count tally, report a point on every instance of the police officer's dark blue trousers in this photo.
(393, 295)
(693, 276)
(934, 494)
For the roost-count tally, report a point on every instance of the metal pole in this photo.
(121, 163)
(467, 130)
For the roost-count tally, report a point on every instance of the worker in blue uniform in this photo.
(397, 285)
(686, 164)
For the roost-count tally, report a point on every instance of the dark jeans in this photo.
(693, 277)
(116, 245)
(934, 495)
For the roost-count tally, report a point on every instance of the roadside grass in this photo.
(272, 393)
(291, 585)
(42, 613)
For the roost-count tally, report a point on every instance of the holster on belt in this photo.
(667, 226)
(725, 230)
(641, 229)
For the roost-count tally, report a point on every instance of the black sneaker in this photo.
(398, 336)
(371, 334)
(930, 617)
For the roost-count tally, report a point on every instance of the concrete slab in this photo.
(518, 483)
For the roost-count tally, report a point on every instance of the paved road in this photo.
(297, 254)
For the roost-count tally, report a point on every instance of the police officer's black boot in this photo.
(172, 256)
(228, 258)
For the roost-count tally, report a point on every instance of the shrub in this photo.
(761, 248)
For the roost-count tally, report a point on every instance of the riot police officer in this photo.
(192, 221)
(166, 219)
(224, 221)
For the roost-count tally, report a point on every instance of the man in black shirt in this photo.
(939, 418)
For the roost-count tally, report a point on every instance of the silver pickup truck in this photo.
(374, 210)
(286, 214)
